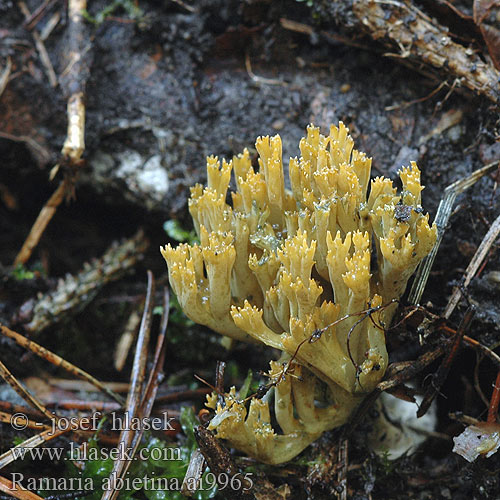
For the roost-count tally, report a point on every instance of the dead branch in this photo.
(220, 461)
(411, 36)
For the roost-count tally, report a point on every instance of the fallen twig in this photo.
(126, 340)
(4, 77)
(7, 486)
(73, 80)
(474, 265)
(42, 51)
(130, 438)
(41, 223)
(75, 292)
(440, 376)
(23, 392)
(396, 374)
(495, 400)
(58, 361)
(220, 462)
(414, 37)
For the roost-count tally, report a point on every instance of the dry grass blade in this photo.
(58, 361)
(442, 216)
(474, 265)
(154, 378)
(134, 398)
(7, 486)
(10, 455)
(127, 339)
(27, 396)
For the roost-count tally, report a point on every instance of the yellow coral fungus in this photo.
(293, 269)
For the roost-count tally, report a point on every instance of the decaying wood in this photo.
(412, 36)
(75, 292)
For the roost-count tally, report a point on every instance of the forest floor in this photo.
(168, 84)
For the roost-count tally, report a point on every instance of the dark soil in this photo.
(173, 83)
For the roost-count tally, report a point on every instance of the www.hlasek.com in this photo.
(236, 482)
(84, 452)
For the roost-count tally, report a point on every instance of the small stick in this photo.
(474, 265)
(126, 340)
(74, 292)
(407, 104)
(56, 360)
(42, 51)
(396, 374)
(73, 80)
(219, 381)
(7, 418)
(220, 462)
(4, 77)
(135, 395)
(440, 376)
(415, 38)
(23, 392)
(344, 463)
(10, 456)
(7, 486)
(34, 18)
(260, 79)
(495, 400)
(196, 467)
(41, 222)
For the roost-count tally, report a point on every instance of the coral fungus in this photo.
(298, 270)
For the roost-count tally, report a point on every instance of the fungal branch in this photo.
(293, 269)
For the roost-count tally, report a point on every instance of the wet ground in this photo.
(172, 86)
